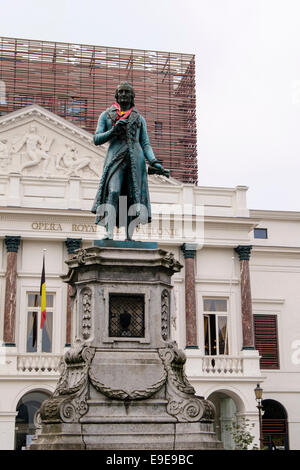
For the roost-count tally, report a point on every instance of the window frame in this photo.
(276, 321)
(28, 309)
(261, 229)
(58, 323)
(217, 314)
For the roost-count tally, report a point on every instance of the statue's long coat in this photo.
(136, 147)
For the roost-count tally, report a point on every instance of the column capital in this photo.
(12, 243)
(243, 251)
(73, 244)
(189, 250)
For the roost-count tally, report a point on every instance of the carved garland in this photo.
(125, 394)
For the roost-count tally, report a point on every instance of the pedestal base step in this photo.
(127, 436)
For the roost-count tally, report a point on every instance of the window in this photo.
(260, 233)
(37, 339)
(215, 326)
(266, 340)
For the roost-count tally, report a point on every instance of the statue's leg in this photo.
(114, 190)
(129, 230)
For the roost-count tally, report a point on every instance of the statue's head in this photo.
(127, 87)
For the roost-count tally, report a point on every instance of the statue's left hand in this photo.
(158, 166)
(158, 169)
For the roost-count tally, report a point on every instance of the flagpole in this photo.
(43, 300)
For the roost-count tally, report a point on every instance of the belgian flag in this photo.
(43, 294)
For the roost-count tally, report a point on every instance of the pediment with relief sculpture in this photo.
(35, 142)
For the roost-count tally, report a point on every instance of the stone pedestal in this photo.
(123, 384)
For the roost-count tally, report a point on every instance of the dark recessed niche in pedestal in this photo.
(126, 315)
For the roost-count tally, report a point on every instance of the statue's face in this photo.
(124, 96)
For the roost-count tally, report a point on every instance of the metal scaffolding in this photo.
(78, 82)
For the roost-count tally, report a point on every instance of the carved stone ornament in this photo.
(119, 394)
(183, 404)
(81, 255)
(170, 261)
(165, 313)
(69, 400)
(86, 325)
(37, 421)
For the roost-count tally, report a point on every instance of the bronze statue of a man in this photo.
(124, 172)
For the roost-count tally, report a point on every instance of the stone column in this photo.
(247, 317)
(189, 251)
(12, 245)
(72, 244)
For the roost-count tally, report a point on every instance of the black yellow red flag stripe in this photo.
(43, 294)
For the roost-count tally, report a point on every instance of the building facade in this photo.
(78, 82)
(235, 302)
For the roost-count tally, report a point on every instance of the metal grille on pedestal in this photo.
(126, 315)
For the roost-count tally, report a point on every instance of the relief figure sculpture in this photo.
(37, 149)
(70, 161)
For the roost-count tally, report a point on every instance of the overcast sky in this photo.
(247, 75)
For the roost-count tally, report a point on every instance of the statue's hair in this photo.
(125, 85)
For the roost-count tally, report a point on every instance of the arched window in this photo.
(275, 425)
(27, 407)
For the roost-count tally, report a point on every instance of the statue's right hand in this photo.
(121, 124)
(119, 127)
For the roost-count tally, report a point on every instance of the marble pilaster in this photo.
(247, 317)
(189, 251)
(12, 245)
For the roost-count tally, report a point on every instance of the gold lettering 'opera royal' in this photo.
(90, 228)
(46, 226)
(50, 227)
